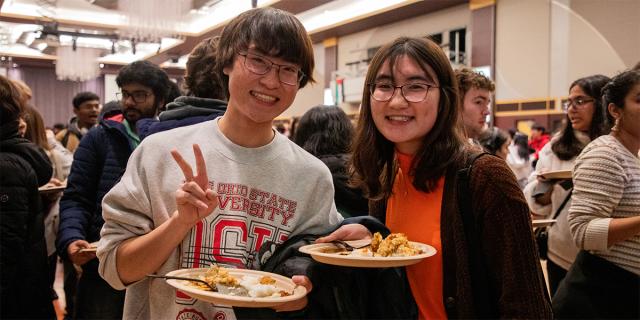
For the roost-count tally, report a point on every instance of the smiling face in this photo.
(254, 99)
(475, 109)
(399, 121)
(582, 115)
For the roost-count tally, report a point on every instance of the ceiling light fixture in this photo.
(79, 64)
(150, 20)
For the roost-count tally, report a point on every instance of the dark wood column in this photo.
(483, 33)
(330, 59)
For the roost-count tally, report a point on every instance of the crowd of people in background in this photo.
(419, 160)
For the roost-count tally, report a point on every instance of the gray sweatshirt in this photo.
(267, 193)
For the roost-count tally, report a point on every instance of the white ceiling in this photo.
(22, 21)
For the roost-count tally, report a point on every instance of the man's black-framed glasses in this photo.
(139, 96)
(412, 92)
(577, 103)
(258, 64)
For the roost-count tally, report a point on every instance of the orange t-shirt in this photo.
(417, 214)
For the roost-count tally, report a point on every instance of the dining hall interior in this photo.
(532, 52)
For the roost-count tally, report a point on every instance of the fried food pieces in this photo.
(394, 245)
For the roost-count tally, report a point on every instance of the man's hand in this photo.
(347, 232)
(77, 257)
(300, 303)
(195, 199)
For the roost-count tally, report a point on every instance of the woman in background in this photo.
(518, 158)
(326, 132)
(604, 281)
(496, 142)
(60, 159)
(25, 292)
(585, 121)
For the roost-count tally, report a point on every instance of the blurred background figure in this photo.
(60, 159)
(58, 127)
(585, 120)
(86, 107)
(604, 217)
(326, 132)
(475, 98)
(110, 109)
(495, 141)
(25, 291)
(539, 138)
(518, 158)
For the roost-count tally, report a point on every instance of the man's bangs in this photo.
(270, 41)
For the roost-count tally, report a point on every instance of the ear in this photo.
(75, 111)
(226, 70)
(614, 111)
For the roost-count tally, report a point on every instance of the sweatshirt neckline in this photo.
(246, 155)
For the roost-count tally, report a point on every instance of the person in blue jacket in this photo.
(98, 164)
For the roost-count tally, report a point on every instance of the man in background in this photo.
(99, 161)
(475, 94)
(86, 107)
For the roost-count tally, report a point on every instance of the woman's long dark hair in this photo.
(568, 146)
(521, 141)
(324, 130)
(373, 159)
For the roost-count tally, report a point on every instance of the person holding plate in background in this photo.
(604, 217)
(407, 157)
(547, 198)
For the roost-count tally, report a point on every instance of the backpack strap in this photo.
(65, 138)
(479, 276)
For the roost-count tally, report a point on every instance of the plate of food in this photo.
(557, 175)
(236, 287)
(394, 251)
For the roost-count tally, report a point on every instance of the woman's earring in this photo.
(615, 125)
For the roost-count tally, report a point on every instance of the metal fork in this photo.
(213, 288)
(350, 247)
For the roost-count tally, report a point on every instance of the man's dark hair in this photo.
(539, 128)
(83, 97)
(201, 80)
(273, 32)
(146, 74)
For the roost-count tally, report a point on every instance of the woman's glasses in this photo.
(412, 92)
(258, 64)
(578, 103)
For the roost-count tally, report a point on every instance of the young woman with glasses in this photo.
(585, 121)
(407, 155)
(604, 218)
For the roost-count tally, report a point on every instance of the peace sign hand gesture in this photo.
(194, 199)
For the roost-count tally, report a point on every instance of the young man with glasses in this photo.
(86, 107)
(251, 187)
(98, 164)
